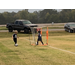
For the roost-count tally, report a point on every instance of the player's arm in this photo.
(12, 36)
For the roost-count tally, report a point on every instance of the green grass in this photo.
(26, 54)
(58, 24)
(57, 33)
(3, 28)
(21, 34)
(53, 27)
(9, 34)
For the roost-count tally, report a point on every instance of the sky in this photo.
(16, 10)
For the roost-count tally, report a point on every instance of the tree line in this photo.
(43, 16)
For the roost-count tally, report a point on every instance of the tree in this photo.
(72, 15)
(2, 19)
(44, 16)
(33, 17)
(47, 16)
(22, 14)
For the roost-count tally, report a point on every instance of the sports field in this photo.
(60, 51)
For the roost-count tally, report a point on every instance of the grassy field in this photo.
(3, 28)
(26, 54)
(54, 27)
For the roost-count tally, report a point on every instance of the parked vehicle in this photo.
(21, 25)
(70, 27)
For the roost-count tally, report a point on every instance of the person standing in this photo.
(14, 36)
(39, 38)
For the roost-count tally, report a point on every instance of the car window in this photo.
(20, 23)
(16, 22)
(26, 22)
(72, 25)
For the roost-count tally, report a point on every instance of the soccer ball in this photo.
(16, 44)
(36, 43)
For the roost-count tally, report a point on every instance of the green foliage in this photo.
(44, 16)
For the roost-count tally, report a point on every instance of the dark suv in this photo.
(70, 27)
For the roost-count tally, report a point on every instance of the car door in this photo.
(16, 25)
(67, 27)
(20, 25)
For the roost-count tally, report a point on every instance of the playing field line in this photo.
(56, 48)
(61, 49)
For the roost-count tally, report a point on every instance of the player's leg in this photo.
(15, 40)
(41, 41)
(37, 41)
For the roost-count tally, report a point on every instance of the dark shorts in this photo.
(15, 40)
(39, 39)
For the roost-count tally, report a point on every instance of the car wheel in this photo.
(35, 30)
(10, 29)
(18, 30)
(70, 31)
(26, 30)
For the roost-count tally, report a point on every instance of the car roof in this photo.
(70, 23)
(21, 20)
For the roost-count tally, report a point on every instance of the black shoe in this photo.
(42, 44)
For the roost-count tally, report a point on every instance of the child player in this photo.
(14, 36)
(39, 38)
